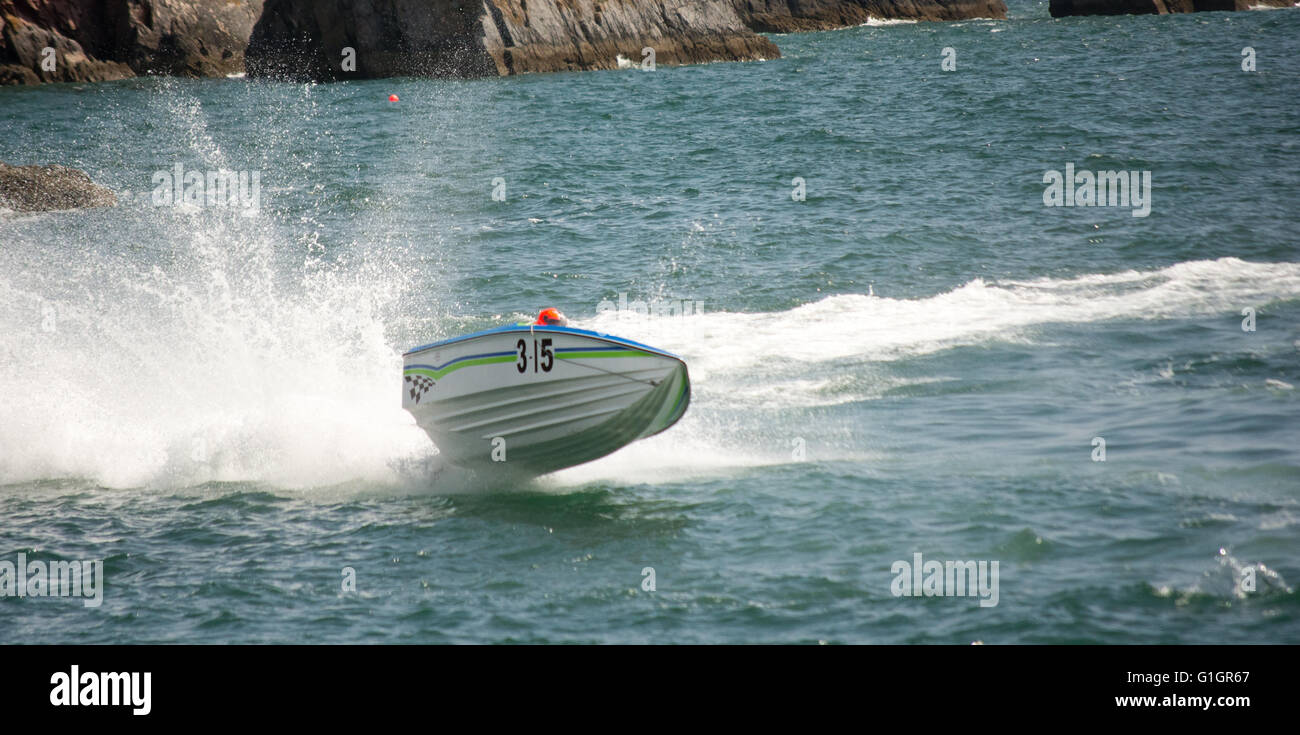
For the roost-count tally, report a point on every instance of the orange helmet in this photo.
(551, 317)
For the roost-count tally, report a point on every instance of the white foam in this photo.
(879, 22)
(225, 375)
(877, 328)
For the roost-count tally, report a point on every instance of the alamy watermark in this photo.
(656, 308)
(1084, 188)
(949, 62)
(240, 190)
(920, 578)
(102, 689)
(647, 59)
(84, 579)
(1248, 319)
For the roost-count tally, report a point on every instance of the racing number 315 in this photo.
(547, 356)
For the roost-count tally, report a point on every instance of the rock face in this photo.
(28, 27)
(1062, 8)
(44, 188)
(784, 16)
(305, 39)
(95, 40)
(554, 35)
(195, 38)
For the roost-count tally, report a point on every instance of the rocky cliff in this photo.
(95, 40)
(307, 39)
(784, 16)
(1061, 8)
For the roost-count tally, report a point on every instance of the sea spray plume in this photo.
(213, 366)
(236, 354)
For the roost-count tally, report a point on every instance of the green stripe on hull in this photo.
(436, 374)
(680, 393)
(677, 410)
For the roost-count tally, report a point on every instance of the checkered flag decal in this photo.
(419, 385)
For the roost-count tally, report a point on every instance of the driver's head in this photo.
(551, 317)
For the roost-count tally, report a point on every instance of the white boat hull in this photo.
(536, 399)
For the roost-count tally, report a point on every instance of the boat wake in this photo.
(847, 328)
(752, 369)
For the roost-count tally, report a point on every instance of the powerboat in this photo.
(536, 398)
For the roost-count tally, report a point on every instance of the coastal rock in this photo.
(302, 39)
(45, 188)
(785, 16)
(1062, 8)
(193, 38)
(98, 41)
(28, 27)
